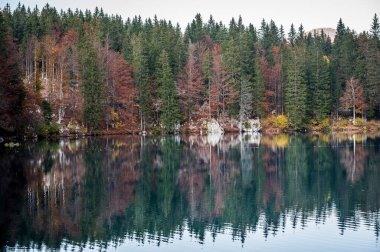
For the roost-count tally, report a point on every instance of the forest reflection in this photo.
(153, 189)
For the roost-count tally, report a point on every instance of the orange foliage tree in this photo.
(353, 97)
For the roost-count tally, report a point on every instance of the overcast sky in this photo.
(357, 14)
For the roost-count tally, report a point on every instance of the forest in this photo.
(74, 71)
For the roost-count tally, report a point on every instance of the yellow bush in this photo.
(119, 125)
(114, 115)
(359, 122)
(313, 122)
(343, 123)
(325, 124)
(281, 122)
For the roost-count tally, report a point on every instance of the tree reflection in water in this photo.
(103, 190)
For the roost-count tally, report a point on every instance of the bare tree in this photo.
(353, 97)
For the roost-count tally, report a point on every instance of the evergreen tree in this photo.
(245, 111)
(296, 90)
(93, 87)
(367, 70)
(232, 65)
(11, 89)
(170, 112)
(258, 88)
(292, 35)
(141, 77)
(344, 55)
(375, 29)
(321, 83)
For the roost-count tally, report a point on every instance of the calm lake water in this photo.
(191, 193)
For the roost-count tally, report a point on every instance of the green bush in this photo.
(54, 128)
(155, 130)
(43, 130)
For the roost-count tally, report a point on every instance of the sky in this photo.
(357, 14)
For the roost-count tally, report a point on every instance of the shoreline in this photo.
(269, 131)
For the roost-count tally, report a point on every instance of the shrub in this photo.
(313, 122)
(119, 125)
(73, 127)
(269, 121)
(54, 128)
(359, 122)
(156, 131)
(247, 125)
(42, 130)
(325, 125)
(343, 123)
(281, 122)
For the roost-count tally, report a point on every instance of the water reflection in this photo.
(104, 190)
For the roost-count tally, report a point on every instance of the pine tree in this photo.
(321, 83)
(367, 71)
(245, 103)
(344, 56)
(11, 89)
(141, 77)
(375, 29)
(296, 90)
(373, 76)
(232, 65)
(170, 113)
(258, 88)
(292, 35)
(93, 87)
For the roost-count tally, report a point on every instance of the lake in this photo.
(191, 193)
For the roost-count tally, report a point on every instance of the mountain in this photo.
(328, 31)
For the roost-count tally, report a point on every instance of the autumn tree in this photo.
(121, 91)
(207, 75)
(222, 94)
(353, 97)
(191, 84)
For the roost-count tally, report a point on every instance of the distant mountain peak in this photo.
(328, 31)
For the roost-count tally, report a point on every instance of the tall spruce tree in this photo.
(258, 88)
(296, 90)
(93, 87)
(245, 104)
(141, 77)
(232, 65)
(170, 112)
(375, 29)
(321, 83)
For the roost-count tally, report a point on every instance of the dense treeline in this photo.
(92, 71)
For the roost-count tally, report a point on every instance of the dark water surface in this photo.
(191, 193)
